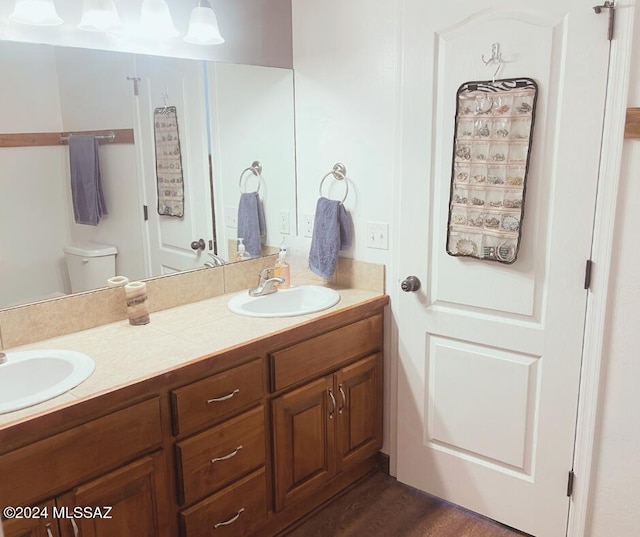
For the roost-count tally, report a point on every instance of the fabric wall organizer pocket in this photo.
(168, 162)
(491, 151)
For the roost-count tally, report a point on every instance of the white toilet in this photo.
(90, 265)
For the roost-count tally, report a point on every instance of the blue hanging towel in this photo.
(331, 233)
(251, 222)
(86, 184)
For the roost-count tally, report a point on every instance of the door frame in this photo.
(602, 242)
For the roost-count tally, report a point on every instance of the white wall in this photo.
(346, 67)
(615, 497)
(33, 224)
(346, 61)
(94, 95)
(256, 31)
(252, 119)
(47, 95)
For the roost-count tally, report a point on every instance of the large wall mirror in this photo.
(229, 116)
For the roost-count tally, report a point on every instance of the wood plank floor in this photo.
(381, 507)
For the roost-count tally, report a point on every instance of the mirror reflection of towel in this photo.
(251, 222)
(331, 233)
(86, 184)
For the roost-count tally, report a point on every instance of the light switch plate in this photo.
(378, 235)
(231, 217)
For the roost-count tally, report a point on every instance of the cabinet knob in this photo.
(410, 284)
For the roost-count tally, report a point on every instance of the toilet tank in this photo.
(90, 265)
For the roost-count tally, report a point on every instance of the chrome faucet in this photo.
(3, 358)
(266, 283)
(216, 261)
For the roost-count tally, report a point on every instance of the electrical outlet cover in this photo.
(307, 225)
(284, 223)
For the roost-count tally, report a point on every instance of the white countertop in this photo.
(125, 354)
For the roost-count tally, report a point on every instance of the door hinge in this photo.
(611, 6)
(570, 483)
(145, 212)
(136, 84)
(587, 274)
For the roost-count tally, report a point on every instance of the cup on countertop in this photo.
(137, 306)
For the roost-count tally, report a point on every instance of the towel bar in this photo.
(255, 169)
(111, 137)
(339, 173)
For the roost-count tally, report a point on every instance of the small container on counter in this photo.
(137, 306)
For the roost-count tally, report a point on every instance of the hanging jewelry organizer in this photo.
(491, 149)
(170, 181)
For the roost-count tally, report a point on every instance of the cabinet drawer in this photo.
(65, 459)
(216, 457)
(323, 353)
(214, 398)
(237, 510)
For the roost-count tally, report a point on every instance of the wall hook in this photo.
(496, 58)
(165, 97)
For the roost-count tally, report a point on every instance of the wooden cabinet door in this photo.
(138, 498)
(46, 526)
(359, 416)
(304, 440)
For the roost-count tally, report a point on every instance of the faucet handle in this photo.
(265, 273)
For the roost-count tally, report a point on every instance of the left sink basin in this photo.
(31, 377)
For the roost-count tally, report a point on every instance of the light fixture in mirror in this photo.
(99, 16)
(203, 26)
(156, 21)
(35, 12)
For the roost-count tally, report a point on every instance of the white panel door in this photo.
(490, 354)
(170, 238)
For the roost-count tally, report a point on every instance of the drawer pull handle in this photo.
(76, 532)
(49, 534)
(344, 399)
(230, 521)
(223, 398)
(226, 457)
(333, 404)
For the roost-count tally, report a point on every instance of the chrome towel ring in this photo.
(339, 173)
(255, 169)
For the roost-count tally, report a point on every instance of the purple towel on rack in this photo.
(251, 222)
(331, 233)
(86, 184)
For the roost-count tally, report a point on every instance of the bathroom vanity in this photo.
(245, 440)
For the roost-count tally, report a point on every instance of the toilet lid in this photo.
(90, 249)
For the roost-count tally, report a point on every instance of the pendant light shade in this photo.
(99, 16)
(35, 12)
(203, 27)
(156, 21)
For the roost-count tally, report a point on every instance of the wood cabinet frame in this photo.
(146, 471)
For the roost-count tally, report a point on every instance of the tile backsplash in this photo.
(43, 320)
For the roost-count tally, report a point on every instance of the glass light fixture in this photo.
(99, 16)
(35, 12)
(156, 21)
(203, 26)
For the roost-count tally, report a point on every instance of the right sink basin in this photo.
(298, 300)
